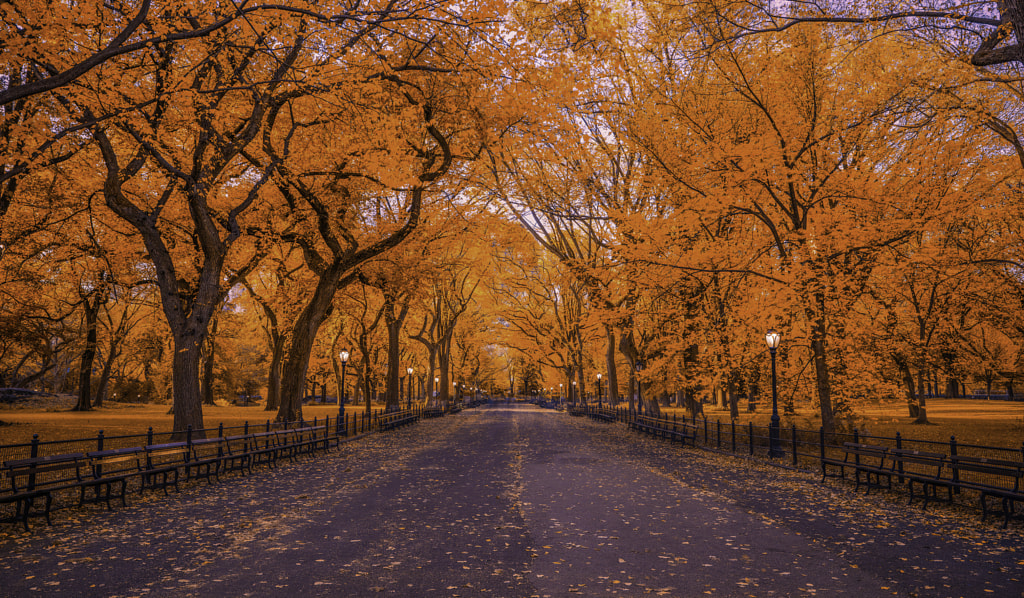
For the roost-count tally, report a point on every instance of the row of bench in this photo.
(102, 476)
(397, 419)
(677, 431)
(875, 466)
(925, 475)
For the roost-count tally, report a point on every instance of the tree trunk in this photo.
(444, 366)
(211, 344)
(303, 335)
(922, 411)
(908, 384)
(274, 373)
(187, 408)
(609, 364)
(108, 364)
(734, 400)
(88, 356)
(393, 323)
(822, 381)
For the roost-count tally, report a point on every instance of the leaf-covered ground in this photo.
(516, 502)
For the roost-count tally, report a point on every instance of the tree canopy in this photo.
(515, 196)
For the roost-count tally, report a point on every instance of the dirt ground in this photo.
(971, 421)
(59, 423)
(992, 423)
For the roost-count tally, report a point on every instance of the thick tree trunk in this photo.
(188, 408)
(922, 409)
(609, 365)
(302, 337)
(108, 364)
(823, 385)
(734, 400)
(88, 357)
(394, 322)
(274, 374)
(908, 383)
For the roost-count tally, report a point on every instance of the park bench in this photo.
(997, 478)
(664, 429)
(868, 464)
(602, 415)
(297, 441)
(238, 453)
(204, 458)
(160, 468)
(264, 448)
(38, 478)
(924, 468)
(432, 412)
(305, 440)
(110, 470)
(396, 420)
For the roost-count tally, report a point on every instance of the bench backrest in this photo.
(869, 451)
(264, 440)
(42, 472)
(207, 448)
(922, 459)
(115, 462)
(238, 445)
(999, 470)
(166, 454)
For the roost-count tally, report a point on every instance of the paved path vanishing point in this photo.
(515, 501)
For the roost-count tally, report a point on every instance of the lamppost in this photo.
(774, 450)
(343, 356)
(408, 404)
(437, 385)
(560, 397)
(600, 391)
(573, 395)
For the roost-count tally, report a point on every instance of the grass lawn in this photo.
(116, 419)
(990, 423)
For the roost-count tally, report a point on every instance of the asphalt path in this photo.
(514, 501)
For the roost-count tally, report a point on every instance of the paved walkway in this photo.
(514, 501)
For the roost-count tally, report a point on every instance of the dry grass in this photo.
(990, 423)
(116, 419)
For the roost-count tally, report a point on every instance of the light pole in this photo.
(343, 356)
(574, 396)
(408, 404)
(437, 386)
(600, 391)
(774, 450)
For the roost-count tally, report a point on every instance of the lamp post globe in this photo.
(773, 338)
